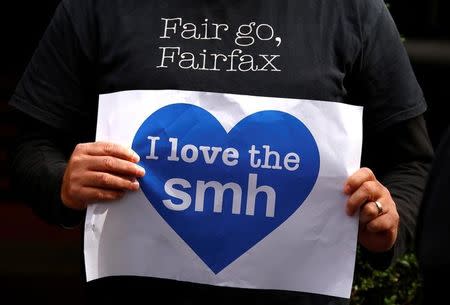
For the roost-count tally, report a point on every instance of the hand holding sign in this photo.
(99, 172)
(378, 228)
(237, 188)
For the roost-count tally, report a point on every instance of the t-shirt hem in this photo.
(37, 113)
(400, 116)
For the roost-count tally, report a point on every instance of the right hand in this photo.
(99, 171)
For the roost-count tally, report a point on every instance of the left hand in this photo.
(378, 229)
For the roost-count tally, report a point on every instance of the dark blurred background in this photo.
(42, 263)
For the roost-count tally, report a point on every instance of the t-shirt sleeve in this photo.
(58, 86)
(382, 78)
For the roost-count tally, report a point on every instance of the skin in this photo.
(377, 232)
(101, 171)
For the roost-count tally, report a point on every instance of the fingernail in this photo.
(347, 189)
(136, 157)
(136, 184)
(141, 170)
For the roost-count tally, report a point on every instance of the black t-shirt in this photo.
(332, 50)
(346, 51)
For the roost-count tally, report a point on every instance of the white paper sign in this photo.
(239, 191)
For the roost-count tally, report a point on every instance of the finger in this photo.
(359, 177)
(109, 182)
(367, 191)
(109, 149)
(369, 211)
(115, 166)
(93, 194)
(382, 223)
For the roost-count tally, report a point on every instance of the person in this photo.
(432, 234)
(341, 51)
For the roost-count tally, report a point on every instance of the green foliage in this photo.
(398, 285)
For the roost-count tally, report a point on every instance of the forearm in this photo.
(406, 184)
(38, 164)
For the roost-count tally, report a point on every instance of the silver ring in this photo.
(379, 207)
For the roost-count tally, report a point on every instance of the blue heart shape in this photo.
(183, 194)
